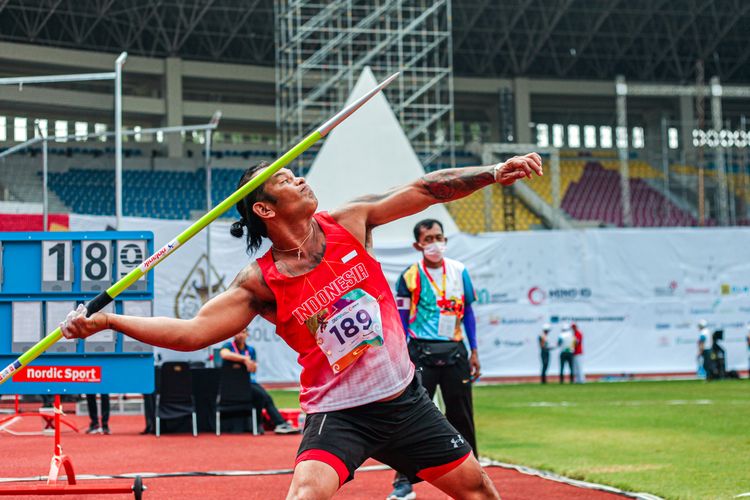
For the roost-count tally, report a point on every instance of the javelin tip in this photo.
(348, 110)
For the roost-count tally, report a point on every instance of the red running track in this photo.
(126, 451)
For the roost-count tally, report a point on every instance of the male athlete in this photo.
(330, 301)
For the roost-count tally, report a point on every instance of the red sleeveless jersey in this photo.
(341, 319)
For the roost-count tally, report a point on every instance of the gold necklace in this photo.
(299, 247)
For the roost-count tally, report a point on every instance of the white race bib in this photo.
(353, 326)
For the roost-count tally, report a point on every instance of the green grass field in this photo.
(680, 439)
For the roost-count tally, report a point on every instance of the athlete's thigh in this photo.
(466, 481)
(313, 479)
(342, 439)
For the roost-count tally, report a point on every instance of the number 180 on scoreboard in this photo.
(43, 276)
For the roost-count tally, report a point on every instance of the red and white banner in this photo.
(76, 374)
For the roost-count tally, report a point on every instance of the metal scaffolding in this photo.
(322, 47)
(717, 146)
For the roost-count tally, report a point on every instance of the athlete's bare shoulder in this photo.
(354, 219)
(261, 297)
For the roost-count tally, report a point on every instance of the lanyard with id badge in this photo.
(449, 315)
(350, 329)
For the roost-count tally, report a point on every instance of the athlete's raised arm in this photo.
(436, 187)
(218, 319)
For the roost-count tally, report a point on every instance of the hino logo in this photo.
(537, 295)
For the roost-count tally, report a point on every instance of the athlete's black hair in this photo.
(256, 228)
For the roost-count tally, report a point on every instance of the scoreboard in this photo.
(44, 276)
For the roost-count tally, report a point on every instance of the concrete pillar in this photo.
(523, 110)
(173, 100)
(687, 124)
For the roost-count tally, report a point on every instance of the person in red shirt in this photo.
(329, 299)
(580, 378)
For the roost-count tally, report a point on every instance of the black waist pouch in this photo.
(436, 353)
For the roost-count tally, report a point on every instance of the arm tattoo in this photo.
(258, 304)
(451, 184)
(244, 276)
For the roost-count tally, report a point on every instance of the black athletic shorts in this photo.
(407, 433)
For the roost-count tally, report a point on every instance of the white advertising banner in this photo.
(636, 294)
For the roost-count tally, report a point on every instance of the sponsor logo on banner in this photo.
(733, 324)
(77, 374)
(686, 340)
(691, 290)
(538, 296)
(728, 289)
(520, 321)
(677, 326)
(587, 319)
(666, 291)
(700, 311)
(669, 310)
(193, 292)
(485, 296)
(514, 344)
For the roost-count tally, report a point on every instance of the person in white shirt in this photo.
(705, 343)
(566, 342)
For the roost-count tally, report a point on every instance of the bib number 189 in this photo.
(350, 328)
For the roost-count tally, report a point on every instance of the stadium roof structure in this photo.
(652, 40)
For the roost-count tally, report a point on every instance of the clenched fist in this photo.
(518, 167)
(78, 326)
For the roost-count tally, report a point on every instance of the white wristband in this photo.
(495, 170)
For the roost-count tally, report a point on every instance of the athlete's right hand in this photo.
(518, 167)
(78, 326)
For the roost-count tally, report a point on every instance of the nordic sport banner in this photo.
(636, 294)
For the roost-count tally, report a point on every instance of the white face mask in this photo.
(434, 251)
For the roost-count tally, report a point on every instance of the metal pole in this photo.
(119, 62)
(621, 138)
(487, 159)
(82, 77)
(700, 110)
(719, 162)
(665, 166)
(208, 208)
(731, 179)
(555, 180)
(744, 169)
(45, 171)
(126, 132)
(451, 98)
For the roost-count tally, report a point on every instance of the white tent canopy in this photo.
(370, 153)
